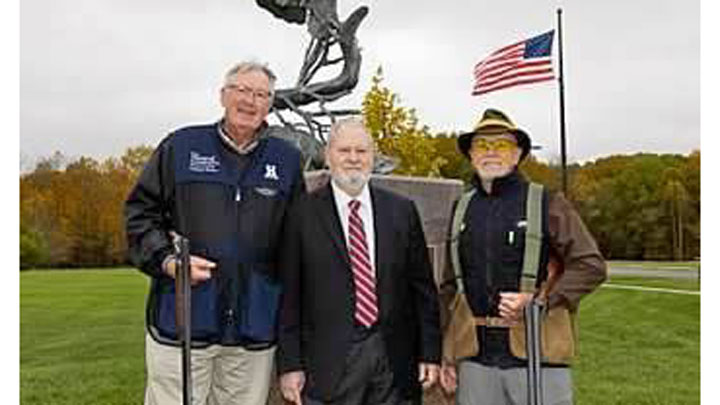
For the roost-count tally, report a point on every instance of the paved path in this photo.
(651, 289)
(663, 272)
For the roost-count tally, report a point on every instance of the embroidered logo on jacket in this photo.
(271, 172)
(203, 164)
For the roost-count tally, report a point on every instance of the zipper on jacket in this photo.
(238, 195)
(491, 273)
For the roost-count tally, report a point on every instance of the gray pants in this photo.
(367, 378)
(482, 385)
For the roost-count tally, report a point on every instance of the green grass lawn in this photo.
(639, 348)
(81, 337)
(81, 341)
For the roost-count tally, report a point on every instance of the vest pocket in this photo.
(558, 337)
(205, 325)
(259, 305)
(513, 244)
(460, 336)
(259, 217)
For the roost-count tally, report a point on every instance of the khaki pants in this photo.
(221, 375)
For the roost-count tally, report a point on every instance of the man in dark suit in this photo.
(359, 319)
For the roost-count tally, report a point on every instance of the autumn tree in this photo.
(134, 159)
(690, 177)
(397, 132)
(626, 203)
(676, 197)
(541, 172)
(455, 164)
(71, 214)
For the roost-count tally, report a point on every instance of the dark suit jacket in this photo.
(316, 316)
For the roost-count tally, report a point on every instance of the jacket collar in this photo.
(247, 148)
(500, 185)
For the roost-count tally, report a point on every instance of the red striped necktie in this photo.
(366, 309)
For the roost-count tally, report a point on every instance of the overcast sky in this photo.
(98, 76)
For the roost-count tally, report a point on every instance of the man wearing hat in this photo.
(511, 241)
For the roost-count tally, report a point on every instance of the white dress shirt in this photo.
(342, 199)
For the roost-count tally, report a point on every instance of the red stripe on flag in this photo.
(513, 74)
(505, 48)
(507, 67)
(514, 83)
(500, 58)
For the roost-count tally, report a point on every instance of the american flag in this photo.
(527, 61)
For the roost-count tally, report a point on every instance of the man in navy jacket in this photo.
(226, 187)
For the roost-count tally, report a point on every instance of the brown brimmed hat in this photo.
(495, 122)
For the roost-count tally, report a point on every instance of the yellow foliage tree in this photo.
(397, 133)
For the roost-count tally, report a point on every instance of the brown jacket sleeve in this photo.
(584, 266)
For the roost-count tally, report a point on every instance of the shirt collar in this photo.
(248, 147)
(343, 199)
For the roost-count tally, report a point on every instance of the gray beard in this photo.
(352, 184)
(488, 175)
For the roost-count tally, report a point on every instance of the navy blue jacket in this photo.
(232, 209)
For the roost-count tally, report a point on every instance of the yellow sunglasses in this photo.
(484, 145)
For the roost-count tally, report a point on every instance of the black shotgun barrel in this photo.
(183, 313)
(533, 318)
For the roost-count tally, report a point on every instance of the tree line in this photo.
(71, 214)
(639, 207)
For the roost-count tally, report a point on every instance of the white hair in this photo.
(352, 122)
(250, 66)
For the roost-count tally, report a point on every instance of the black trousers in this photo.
(367, 378)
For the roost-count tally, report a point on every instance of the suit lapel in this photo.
(382, 215)
(327, 213)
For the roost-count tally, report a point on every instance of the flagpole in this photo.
(563, 155)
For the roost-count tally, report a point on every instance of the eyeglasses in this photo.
(261, 95)
(484, 145)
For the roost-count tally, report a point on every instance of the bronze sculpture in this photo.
(326, 30)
